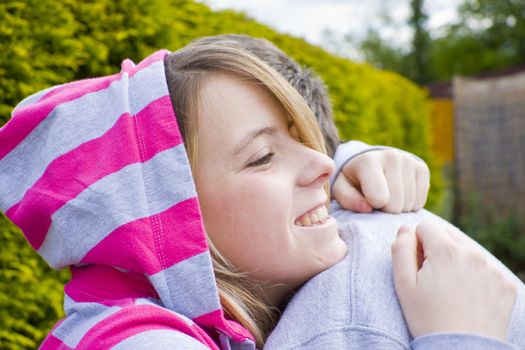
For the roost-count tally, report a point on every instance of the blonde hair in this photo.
(186, 71)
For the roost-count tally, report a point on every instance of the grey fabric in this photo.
(188, 278)
(353, 304)
(160, 339)
(85, 218)
(66, 135)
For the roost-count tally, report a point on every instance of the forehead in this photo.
(230, 106)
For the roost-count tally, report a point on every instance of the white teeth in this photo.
(307, 221)
(315, 217)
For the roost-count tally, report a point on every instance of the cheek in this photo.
(248, 222)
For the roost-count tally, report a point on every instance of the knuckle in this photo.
(423, 172)
(361, 161)
(346, 198)
(392, 208)
(393, 157)
(422, 167)
(426, 225)
(421, 202)
(378, 200)
(478, 259)
(511, 288)
(450, 250)
(368, 161)
(508, 287)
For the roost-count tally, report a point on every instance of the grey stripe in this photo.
(160, 339)
(136, 191)
(228, 343)
(81, 318)
(188, 287)
(73, 123)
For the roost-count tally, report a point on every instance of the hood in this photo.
(96, 176)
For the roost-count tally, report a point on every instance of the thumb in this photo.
(405, 263)
(349, 197)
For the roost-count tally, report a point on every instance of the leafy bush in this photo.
(30, 292)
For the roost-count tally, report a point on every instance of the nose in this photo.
(315, 168)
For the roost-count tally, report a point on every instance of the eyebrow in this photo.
(252, 135)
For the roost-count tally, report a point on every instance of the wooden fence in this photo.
(489, 143)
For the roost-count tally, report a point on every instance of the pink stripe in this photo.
(77, 89)
(107, 286)
(53, 343)
(126, 67)
(138, 245)
(70, 174)
(216, 319)
(134, 320)
(27, 118)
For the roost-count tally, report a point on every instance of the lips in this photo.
(316, 216)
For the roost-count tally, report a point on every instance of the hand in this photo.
(390, 180)
(445, 285)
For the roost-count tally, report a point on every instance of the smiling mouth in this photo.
(316, 216)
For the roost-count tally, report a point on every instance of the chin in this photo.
(337, 251)
(328, 256)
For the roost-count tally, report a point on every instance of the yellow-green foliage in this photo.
(30, 292)
(47, 42)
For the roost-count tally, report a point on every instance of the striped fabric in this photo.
(95, 174)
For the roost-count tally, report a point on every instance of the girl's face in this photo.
(261, 191)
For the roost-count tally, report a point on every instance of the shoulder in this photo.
(372, 292)
(375, 225)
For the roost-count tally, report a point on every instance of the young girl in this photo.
(354, 302)
(96, 174)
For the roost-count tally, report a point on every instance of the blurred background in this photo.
(442, 79)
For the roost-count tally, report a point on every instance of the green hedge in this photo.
(30, 292)
(48, 42)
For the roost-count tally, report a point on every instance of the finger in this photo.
(409, 184)
(369, 177)
(395, 187)
(458, 236)
(405, 263)
(435, 240)
(422, 185)
(349, 197)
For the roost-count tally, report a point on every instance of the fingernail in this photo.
(403, 229)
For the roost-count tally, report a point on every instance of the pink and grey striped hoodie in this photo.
(95, 174)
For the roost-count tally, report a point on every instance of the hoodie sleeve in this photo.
(458, 341)
(347, 151)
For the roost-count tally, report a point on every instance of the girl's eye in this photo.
(261, 161)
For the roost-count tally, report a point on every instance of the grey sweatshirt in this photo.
(353, 304)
